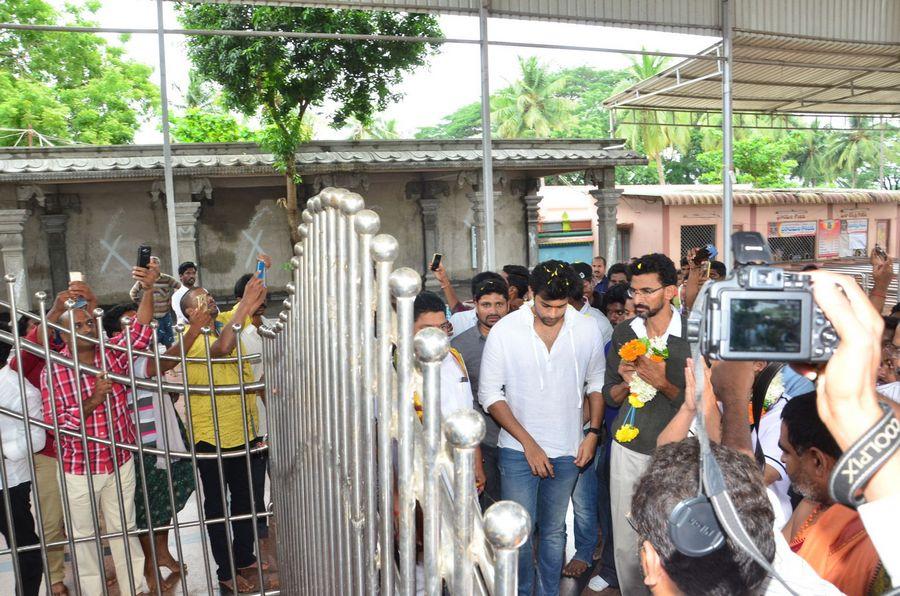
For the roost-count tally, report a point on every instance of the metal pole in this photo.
(506, 526)
(727, 134)
(464, 430)
(487, 167)
(167, 147)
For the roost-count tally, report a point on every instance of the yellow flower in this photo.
(634, 401)
(626, 433)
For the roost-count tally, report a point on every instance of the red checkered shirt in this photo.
(66, 407)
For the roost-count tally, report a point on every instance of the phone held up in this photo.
(436, 261)
(261, 271)
(80, 302)
(144, 252)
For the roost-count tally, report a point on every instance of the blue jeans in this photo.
(546, 501)
(587, 508)
(607, 559)
(164, 333)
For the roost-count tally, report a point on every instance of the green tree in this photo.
(72, 87)
(375, 129)
(656, 132)
(532, 107)
(757, 160)
(813, 166)
(464, 123)
(196, 125)
(281, 78)
(852, 150)
(587, 87)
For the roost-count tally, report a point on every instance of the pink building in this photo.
(801, 224)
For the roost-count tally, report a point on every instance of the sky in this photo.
(450, 80)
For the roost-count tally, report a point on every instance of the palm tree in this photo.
(532, 106)
(814, 167)
(851, 150)
(376, 129)
(654, 132)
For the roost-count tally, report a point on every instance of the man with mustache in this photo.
(491, 304)
(653, 285)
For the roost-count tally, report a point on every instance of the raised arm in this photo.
(199, 319)
(882, 275)
(449, 293)
(254, 296)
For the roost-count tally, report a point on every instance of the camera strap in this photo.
(713, 482)
(864, 458)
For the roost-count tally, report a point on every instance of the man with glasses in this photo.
(653, 281)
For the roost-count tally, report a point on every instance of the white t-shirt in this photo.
(456, 392)
(544, 388)
(463, 321)
(769, 434)
(883, 525)
(176, 304)
(606, 328)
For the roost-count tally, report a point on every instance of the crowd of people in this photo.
(585, 380)
(87, 487)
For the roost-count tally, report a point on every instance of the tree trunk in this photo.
(661, 174)
(290, 203)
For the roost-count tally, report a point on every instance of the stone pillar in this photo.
(186, 215)
(606, 200)
(477, 200)
(532, 218)
(427, 194)
(54, 225)
(12, 247)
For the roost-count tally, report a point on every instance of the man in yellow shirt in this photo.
(217, 421)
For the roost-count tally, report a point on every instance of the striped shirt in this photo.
(163, 289)
(66, 407)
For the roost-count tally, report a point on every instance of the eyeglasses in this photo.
(632, 292)
(446, 327)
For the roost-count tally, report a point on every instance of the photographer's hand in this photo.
(882, 275)
(847, 401)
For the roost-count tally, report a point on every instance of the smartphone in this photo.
(436, 261)
(144, 252)
(261, 271)
(880, 252)
(77, 276)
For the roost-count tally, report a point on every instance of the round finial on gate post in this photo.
(178, 328)
(284, 316)
(306, 216)
(303, 231)
(98, 312)
(331, 197)
(405, 283)
(295, 263)
(279, 327)
(385, 248)
(367, 222)
(314, 205)
(351, 203)
(290, 288)
(298, 249)
(40, 295)
(464, 428)
(10, 278)
(431, 345)
(507, 525)
(288, 305)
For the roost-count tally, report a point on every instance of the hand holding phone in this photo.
(436, 261)
(144, 252)
(261, 271)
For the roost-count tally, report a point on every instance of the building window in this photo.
(695, 236)
(623, 243)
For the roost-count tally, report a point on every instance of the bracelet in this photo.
(864, 458)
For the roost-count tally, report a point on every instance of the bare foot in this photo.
(575, 568)
(237, 586)
(59, 589)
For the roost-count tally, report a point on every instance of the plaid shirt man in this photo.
(66, 407)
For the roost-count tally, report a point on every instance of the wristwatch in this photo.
(594, 430)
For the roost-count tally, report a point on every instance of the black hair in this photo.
(719, 267)
(427, 302)
(616, 268)
(22, 324)
(617, 294)
(657, 263)
(491, 286)
(185, 266)
(895, 309)
(810, 268)
(684, 261)
(671, 478)
(186, 299)
(890, 325)
(520, 270)
(111, 322)
(805, 428)
(553, 280)
(518, 280)
(241, 284)
(480, 278)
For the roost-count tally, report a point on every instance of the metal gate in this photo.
(366, 498)
(352, 462)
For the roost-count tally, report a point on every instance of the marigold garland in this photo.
(640, 391)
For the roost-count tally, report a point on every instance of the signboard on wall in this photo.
(828, 240)
(791, 229)
(857, 237)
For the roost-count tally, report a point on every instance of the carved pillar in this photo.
(472, 179)
(427, 194)
(606, 200)
(186, 215)
(12, 247)
(532, 218)
(54, 225)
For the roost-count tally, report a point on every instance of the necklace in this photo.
(801, 533)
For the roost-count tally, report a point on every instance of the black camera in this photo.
(761, 312)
